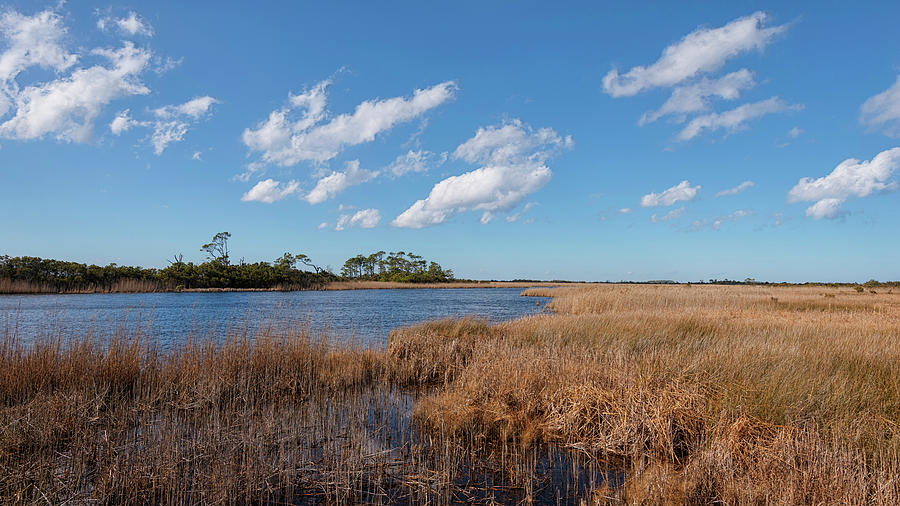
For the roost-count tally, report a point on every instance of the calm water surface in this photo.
(368, 315)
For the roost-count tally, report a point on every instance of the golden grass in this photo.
(9, 286)
(738, 395)
(692, 395)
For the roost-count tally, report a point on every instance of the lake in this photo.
(367, 315)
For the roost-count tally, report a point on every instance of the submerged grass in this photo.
(626, 394)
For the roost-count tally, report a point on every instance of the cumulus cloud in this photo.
(737, 189)
(269, 191)
(701, 51)
(735, 119)
(67, 107)
(883, 111)
(795, 132)
(414, 161)
(336, 182)
(682, 192)
(695, 97)
(626, 210)
(513, 160)
(32, 41)
(366, 218)
(132, 24)
(674, 214)
(286, 140)
(852, 178)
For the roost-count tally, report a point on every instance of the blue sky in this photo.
(594, 141)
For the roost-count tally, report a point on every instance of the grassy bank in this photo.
(627, 394)
(11, 287)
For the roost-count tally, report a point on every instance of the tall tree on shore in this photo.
(217, 250)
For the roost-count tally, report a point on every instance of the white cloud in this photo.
(826, 208)
(701, 51)
(795, 132)
(737, 189)
(683, 191)
(167, 132)
(32, 41)
(171, 125)
(883, 111)
(366, 218)
(285, 141)
(674, 214)
(194, 108)
(67, 107)
(336, 182)
(323, 225)
(198, 155)
(626, 210)
(735, 119)
(513, 165)
(414, 161)
(122, 123)
(695, 97)
(851, 178)
(269, 191)
(130, 25)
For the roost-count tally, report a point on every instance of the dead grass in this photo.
(739, 395)
(692, 395)
(9, 286)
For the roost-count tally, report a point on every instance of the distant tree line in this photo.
(288, 272)
(400, 266)
(217, 271)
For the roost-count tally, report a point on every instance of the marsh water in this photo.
(364, 315)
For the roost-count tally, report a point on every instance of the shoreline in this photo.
(333, 286)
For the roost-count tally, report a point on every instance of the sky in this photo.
(542, 140)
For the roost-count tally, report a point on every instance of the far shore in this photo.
(335, 285)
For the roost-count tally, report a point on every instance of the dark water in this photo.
(368, 315)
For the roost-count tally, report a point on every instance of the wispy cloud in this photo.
(746, 185)
(735, 119)
(674, 214)
(682, 192)
(172, 122)
(701, 51)
(132, 24)
(882, 111)
(286, 141)
(366, 218)
(695, 97)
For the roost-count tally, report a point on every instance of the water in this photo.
(368, 315)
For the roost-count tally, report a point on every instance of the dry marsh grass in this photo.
(738, 395)
(624, 395)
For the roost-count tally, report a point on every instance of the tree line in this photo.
(395, 266)
(288, 272)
